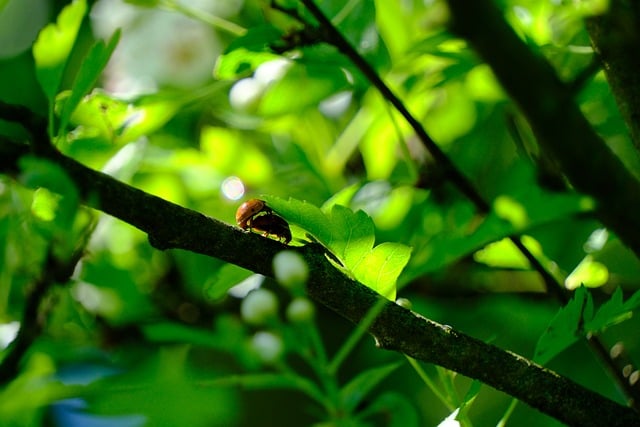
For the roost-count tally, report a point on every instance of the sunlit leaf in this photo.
(90, 69)
(589, 273)
(350, 237)
(54, 44)
(301, 87)
(120, 122)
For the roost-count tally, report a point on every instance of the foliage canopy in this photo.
(470, 162)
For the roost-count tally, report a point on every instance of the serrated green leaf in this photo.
(359, 387)
(613, 312)
(350, 237)
(563, 329)
(53, 45)
(356, 231)
(305, 215)
(381, 267)
(90, 70)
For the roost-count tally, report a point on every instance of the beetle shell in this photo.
(272, 225)
(248, 210)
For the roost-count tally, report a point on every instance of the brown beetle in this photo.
(249, 210)
(272, 225)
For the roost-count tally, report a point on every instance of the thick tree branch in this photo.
(561, 129)
(615, 36)
(170, 226)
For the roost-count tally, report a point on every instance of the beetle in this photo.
(272, 225)
(248, 211)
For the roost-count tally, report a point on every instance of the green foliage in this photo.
(579, 318)
(90, 70)
(54, 44)
(350, 237)
(171, 338)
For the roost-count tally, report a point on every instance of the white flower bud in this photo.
(259, 306)
(290, 269)
(300, 310)
(268, 346)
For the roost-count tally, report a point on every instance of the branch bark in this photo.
(170, 226)
(615, 37)
(561, 129)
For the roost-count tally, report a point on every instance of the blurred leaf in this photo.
(53, 46)
(589, 273)
(164, 380)
(90, 69)
(269, 381)
(302, 87)
(245, 53)
(505, 254)
(223, 279)
(120, 122)
(169, 332)
(353, 393)
(565, 326)
(395, 408)
(58, 211)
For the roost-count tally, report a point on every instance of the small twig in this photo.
(56, 271)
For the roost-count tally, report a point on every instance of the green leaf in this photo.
(357, 233)
(172, 332)
(225, 278)
(53, 46)
(120, 122)
(565, 327)
(90, 70)
(613, 311)
(359, 387)
(350, 237)
(381, 267)
(396, 408)
(245, 53)
(268, 381)
(301, 87)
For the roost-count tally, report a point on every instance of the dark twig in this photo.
(55, 271)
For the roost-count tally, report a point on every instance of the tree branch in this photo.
(560, 128)
(170, 226)
(615, 36)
